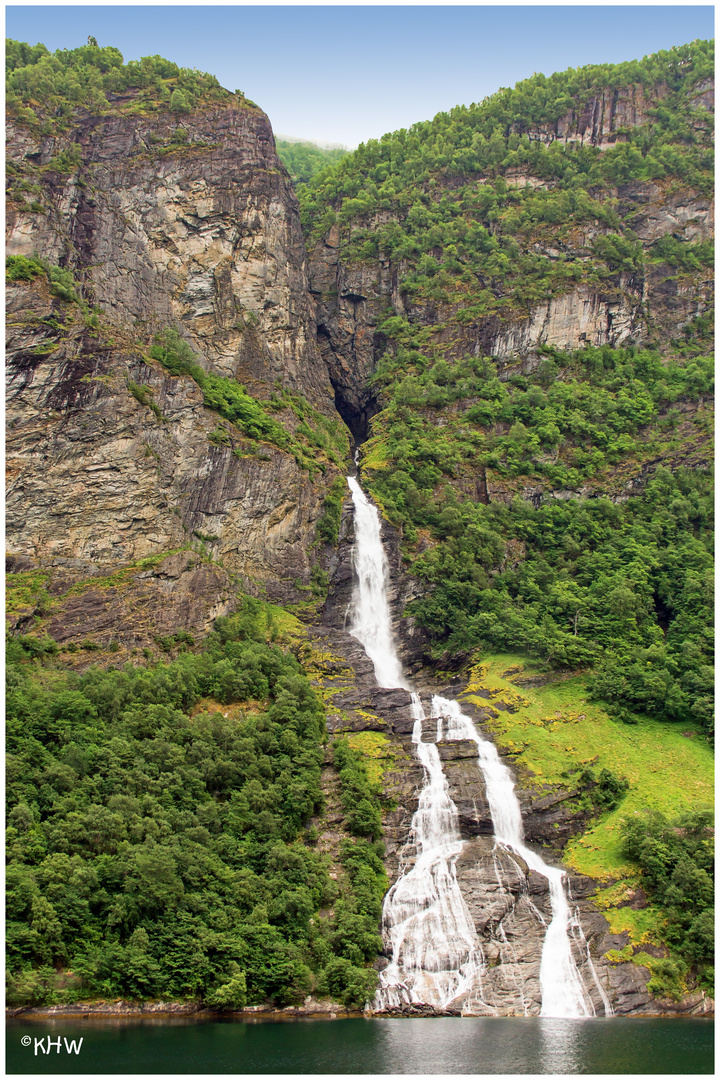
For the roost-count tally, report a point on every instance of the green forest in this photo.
(304, 160)
(44, 89)
(462, 222)
(625, 587)
(158, 837)
(160, 813)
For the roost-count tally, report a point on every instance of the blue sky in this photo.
(345, 74)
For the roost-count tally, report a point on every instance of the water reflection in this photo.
(442, 1046)
(561, 1046)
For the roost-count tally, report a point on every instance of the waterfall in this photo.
(436, 953)
(370, 611)
(563, 993)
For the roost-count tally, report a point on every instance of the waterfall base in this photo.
(483, 927)
(510, 980)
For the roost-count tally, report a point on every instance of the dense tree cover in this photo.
(44, 89)
(622, 586)
(464, 226)
(676, 859)
(493, 136)
(619, 586)
(565, 423)
(155, 831)
(357, 915)
(359, 797)
(304, 160)
(488, 212)
(625, 587)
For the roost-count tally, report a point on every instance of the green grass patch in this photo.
(556, 732)
(24, 589)
(644, 927)
(377, 752)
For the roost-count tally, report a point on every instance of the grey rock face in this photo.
(349, 300)
(95, 476)
(204, 237)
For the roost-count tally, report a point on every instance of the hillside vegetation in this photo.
(562, 506)
(557, 503)
(45, 89)
(304, 160)
(158, 842)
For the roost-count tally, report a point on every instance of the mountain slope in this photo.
(526, 287)
(509, 310)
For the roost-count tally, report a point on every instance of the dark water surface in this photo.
(437, 1045)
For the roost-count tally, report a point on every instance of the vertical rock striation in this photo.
(192, 224)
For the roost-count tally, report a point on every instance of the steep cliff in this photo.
(163, 221)
(508, 309)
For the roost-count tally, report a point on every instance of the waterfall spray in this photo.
(436, 953)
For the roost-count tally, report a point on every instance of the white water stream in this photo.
(370, 612)
(436, 953)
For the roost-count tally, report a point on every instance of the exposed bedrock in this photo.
(95, 476)
(205, 236)
(110, 459)
(509, 904)
(348, 300)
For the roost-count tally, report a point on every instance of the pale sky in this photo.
(345, 74)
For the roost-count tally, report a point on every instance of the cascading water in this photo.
(370, 611)
(436, 953)
(563, 993)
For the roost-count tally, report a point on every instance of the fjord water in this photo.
(437, 958)
(434, 949)
(433, 1045)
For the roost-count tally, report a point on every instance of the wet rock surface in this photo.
(509, 903)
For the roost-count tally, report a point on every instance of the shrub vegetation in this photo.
(155, 831)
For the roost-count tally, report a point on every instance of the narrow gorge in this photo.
(359, 547)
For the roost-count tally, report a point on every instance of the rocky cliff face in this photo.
(191, 225)
(140, 514)
(349, 301)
